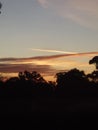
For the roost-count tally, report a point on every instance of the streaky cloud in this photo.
(15, 68)
(82, 12)
(15, 65)
(49, 57)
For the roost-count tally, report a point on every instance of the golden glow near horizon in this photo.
(48, 66)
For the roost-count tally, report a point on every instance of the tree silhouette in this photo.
(70, 76)
(71, 82)
(21, 76)
(0, 6)
(32, 76)
(93, 76)
(1, 77)
(94, 60)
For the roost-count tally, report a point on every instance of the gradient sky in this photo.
(32, 28)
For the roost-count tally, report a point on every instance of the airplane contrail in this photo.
(54, 51)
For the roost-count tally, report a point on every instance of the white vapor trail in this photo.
(54, 51)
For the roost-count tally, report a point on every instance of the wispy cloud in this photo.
(44, 3)
(83, 12)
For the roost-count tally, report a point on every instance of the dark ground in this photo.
(49, 113)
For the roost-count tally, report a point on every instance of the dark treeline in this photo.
(69, 83)
(72, 98)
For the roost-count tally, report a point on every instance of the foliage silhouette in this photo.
(94, 60)
(32, 76)
(72, 81)
(93, 76)
(33, 84)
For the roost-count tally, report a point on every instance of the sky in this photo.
(48, 35)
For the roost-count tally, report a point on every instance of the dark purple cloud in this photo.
(15, 68)
(45, 57)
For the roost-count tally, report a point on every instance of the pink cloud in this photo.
(82, 12)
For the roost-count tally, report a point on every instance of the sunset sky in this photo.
(48, 35)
